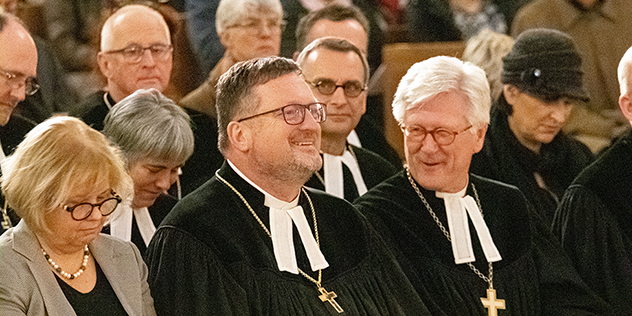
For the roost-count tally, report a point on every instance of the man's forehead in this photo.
(286, 89)
(315, 64)
(136, 25)
(350, 30)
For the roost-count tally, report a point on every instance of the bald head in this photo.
(132, 19)
(18, 58)
(146, 62)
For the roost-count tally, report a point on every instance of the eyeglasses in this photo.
(294, 114)
(82, 211)
(441, 136)
(257, 25)
(352, 88)
(18, 81)
(133, 53)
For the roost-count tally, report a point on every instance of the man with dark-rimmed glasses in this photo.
(18, 64)
(337, 72)
(253, 240)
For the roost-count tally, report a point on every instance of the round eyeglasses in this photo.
(441, 136)
(351, 88)
(133, 53)
(82, 211)
(18, 81)
(294, 114)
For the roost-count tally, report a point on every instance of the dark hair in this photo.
(335, 13)
(234, 89)
(336, 44)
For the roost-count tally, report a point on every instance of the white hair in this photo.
(229, 12)
(426, 79)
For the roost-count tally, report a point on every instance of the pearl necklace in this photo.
(57, 268)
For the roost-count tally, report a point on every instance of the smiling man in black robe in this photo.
(593, 220)
(470, 245)
(253, 240)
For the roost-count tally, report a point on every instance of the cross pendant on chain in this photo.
(329, 297)
(491, 303)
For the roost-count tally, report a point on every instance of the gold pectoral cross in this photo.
(491, 303)
(329, 297)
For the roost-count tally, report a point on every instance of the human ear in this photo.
(239, 136)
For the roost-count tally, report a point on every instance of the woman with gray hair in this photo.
(64, 180)
(155, 137)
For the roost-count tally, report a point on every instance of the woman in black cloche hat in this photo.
(525, 145)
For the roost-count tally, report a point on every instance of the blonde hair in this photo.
(58, 156)
(487, 50)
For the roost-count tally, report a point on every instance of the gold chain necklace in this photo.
(491, 303)
(58, 269)
(324, 295)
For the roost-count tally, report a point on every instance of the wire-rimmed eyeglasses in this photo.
(133, 53)
(18, 81)
(441, 136)
(294, 114)
(82, 211)
(351, 88)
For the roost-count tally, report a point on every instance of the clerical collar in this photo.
(107, 99)
(121, 223)
(284, 215)
(458, 206)
(333, 175)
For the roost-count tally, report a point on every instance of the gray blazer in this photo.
(28, 286)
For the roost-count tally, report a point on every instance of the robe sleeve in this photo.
(186, 278)
(591, 237)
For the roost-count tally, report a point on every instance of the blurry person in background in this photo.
(247, 29)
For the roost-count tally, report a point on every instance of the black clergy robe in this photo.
(534, 276)
(374, 169)
(211, 257)
(93, 110)
(593, 224)
(505, 159)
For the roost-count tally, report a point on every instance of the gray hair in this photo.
(146, 124)
(229, 12)
(235, 87)
(426, 79)
(335, 44)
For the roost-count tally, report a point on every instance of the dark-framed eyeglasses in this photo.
(82, 211)
(17, 81)
(351, 88)
(441, 136)
(294, 114)
(133, 53)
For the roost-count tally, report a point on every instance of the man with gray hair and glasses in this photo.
(253, 240)
(18, 63)
(470, 245)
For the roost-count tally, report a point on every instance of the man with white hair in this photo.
(469, 245)
(247, 29)
(18, 63)
(593, 219)
(136, 53)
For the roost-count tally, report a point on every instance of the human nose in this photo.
(164, 180)
(560, 111)
(18, 91)
(428, 143)
(147, 58)
(338, 97)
